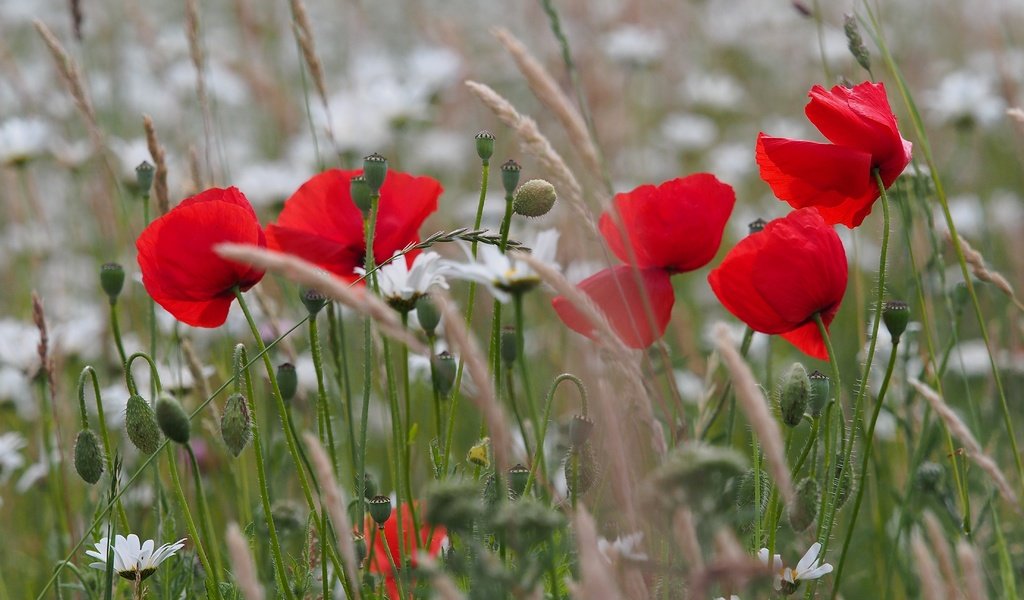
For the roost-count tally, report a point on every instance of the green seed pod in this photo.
(517, 478)
(140, 423)
(510, 176)
(88, 456)
(313, 300)
(172, 419)
(236, 424)
(454, 505)
(444, 372)
(485, 145)
(581, 469)
(820, 395)
(804, 509)
(580, 429)
(287, 381)
(756, 226)
(896, 315)
(794, 394)
(375, 169)
(144, 177)
(380, 509)
(930, 478)
(369, 486)
(534, 198)
(112, 280)
(362, 195)
(509, 346)
(427, 314)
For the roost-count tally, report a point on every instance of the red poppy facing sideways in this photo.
(777, 279)
(616, 293)
(378, 554)
(321, 224)
(676, 226)
(179, 268)
(838, 177)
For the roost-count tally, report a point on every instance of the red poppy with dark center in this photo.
(322, 224)
(431, 540)
(838, 177)
(179, 268)
(778, 279)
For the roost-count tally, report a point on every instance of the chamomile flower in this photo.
(626, 546)
(787, 579)
(132, 559)
(402, 285)
(11, 444)
(505, 276)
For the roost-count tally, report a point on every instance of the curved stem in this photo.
(130, 379)
(211, 575)
(549, 402)
(115, 326)
(88, 371)
(524, 373)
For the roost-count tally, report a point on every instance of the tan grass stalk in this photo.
(195, 52)
(242, 564)
(156, 152)
(485, 398)
(71, 75)
(927, 572)
(755, 405)
(195, 367)
(269, 308)
(334, 501)
(974, 584)
(686, 539)
(307, 45)
(978, 268)
(194, 171)
(616, 452)
(595, 580)
(1016, 115)
(308, 274)
(971, 445)
(548, 92)
(942, 553)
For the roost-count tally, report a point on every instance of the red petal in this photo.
(379, 562)
(733, 284)
(675, 226)
(623, 302)
(405, 203)
(808, 340)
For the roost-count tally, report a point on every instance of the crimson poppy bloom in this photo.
(838, 177)
(378, 554)
(676, 226)
(778, 279)
(322, 224)
(179, 268)
(618, 295)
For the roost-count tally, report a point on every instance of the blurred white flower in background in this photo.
(11, 444)
(634, 45)
(687, 132)
(714, 91)
(624, 546)
(967, 97)
(22, 140)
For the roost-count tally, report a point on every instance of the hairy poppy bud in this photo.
(804, 509)
(444, 372)
(485, 145)
(749, 498)
(534, 198)
(478, 453)
(510, 175)
(757, 225)
(140, 423)
(88, 456)
(820, 385)
(313, 300)
(236, 424)
(794, 393)
(896, 315)
(580, 429)
(581, 469)
(362, 195)
(454, 505)
(855, 42)
(287, 381)
(509, 345)
(172, 419)
(369, 486)
(517, 478)
(375, 169)
(144, 177)
(930, 477)
(427, 314)
(112, 280)
(380, 510)
(359, 542)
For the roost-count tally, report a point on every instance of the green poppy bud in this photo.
(453, 504)
(580, 429)
(427, 314)
(804, 509)
(517, 478)
(112, 280)
(287, 381)
(172, 419)
(144, 177)
(534, 198)
(236, 424)
(313, 300)
(485, 145)
(375, 169)
(820, 385)
(895, 315)
(362, 195)
(380, 510)
(510, 175)
(140, 423)
(444, 372)
(794, 394)
(369, 486)
(509, 346)
(930, 478)
(746, 498)
(581, 469)
(88, 456)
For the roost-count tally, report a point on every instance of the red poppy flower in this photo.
(378, 554)
(777, 279)
(838, 177)
(621, 299)
(321, 224)
(675, 226)
(179, 268)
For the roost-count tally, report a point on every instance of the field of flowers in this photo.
(556, 299)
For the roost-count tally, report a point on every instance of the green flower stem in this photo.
(324, 410)
(212, 587)
(336, 336)
(405, 427)
(205, 520)
(369, 228)
(400, 440)
(130, 379)
(88, 371)
(869, 444)
(726, 393)
(438, 417)
(115, 327)
(549, 401)
(510, 386)
(524, 374)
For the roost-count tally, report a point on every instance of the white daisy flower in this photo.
(11, 459)
(132, 559)
(627, 546)
(22, 140)
(732, 597)
(503, 275)
(401, 285)
(809, 567)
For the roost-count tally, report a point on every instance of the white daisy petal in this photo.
(810, 557)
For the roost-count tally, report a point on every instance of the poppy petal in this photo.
(405, 203)
(808, 340)
(732, 282)
(859, 118)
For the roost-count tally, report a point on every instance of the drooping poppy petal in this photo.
(179, 268)
(322, 224)
(638, 312)
(778, 279)
(384, 540)
(676, 226)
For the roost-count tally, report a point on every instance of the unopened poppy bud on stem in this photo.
(287, 381)
(427, 314)
(88, 456)
(313, 300)
(144, 177)
(896, 315)
(580, 428)
(140, 423)
(380, 510)
(375, 169)
(444, 372)
(485, 145)
(802, 512)
(236, 424)
(172, 419)
(361, 194)
(534, 198)
(820, 384)
(112, 280)
(794, 394)
(510, 175)
(369, 486)
(517, 478)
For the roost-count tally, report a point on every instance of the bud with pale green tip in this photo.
(896, 316)
(427, 314)
(361, 194)
(236, 424)
(88, 456)
(794, 394)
